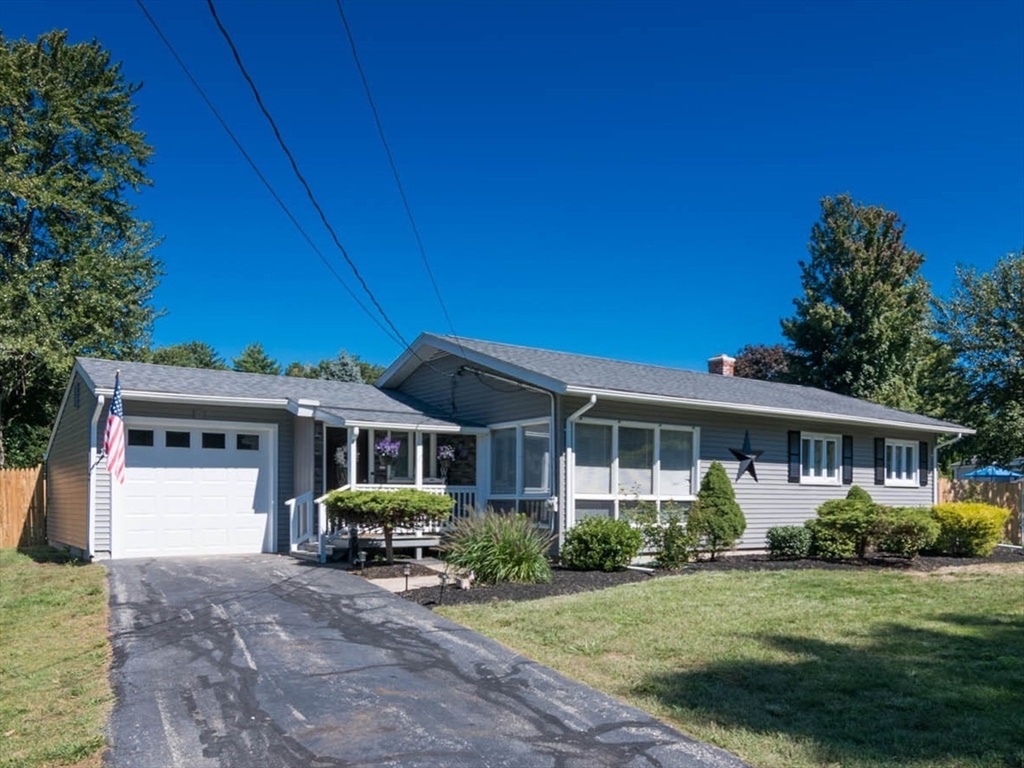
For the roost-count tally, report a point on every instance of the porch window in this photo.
(614, 464)
(535, 457)
(503, 461)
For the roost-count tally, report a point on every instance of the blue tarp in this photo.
(992, 472)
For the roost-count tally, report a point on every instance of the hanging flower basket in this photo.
(445, 459)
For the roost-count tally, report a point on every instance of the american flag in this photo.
(113, 438)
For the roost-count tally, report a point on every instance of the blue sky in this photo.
(633, 180)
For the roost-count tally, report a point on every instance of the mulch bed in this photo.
(566, 582)
(385, 571)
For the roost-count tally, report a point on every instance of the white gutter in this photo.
(173, 397)
(639, 397)
(935, 464)
(93, 462)
(570, 459)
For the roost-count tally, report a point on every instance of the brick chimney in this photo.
(721, 364)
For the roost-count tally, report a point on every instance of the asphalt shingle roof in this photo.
(583, 371)
(349, 400)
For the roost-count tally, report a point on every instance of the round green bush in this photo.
(856, 493)
(600, 544)
(905, 531)
(969, 529)
(830, 543)
(788, 542)
(499, 548)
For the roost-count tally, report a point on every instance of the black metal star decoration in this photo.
(746, 457)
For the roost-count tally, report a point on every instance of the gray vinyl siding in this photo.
(472, 398)
(303, 450)
(773, 500)
(67, 472)
(284, 420)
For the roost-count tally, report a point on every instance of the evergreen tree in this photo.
(860, 324)
(76, 267)
(715, 519)
(253, 359)
(191, 354)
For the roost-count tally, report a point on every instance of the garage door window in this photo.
(142, 437)
(213, 440)
(248, 442)
(178, 439)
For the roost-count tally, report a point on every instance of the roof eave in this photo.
(639, 397)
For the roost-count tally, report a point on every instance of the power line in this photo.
(301, 178)
(394, 172)
(259, 173)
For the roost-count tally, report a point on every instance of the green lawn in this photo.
(54, 692)
(800, 668)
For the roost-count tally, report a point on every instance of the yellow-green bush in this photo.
(968, 528)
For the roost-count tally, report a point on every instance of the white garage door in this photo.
(195, 488)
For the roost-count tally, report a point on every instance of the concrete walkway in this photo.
(265, 661)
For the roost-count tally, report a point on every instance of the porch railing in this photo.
(300, 513)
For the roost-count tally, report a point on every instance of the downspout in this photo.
(935, 464)
(570, 459)
(93, 463)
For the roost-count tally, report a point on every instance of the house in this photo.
(225, 462)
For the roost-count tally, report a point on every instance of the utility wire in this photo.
(394, 172)
(259, 173)
(301, 178)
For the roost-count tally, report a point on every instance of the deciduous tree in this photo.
(77, 271)
(762, 361)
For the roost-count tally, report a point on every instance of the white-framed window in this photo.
(901, 462)
(618, 462)
(401, 467)
(820, 458)
(521, 460)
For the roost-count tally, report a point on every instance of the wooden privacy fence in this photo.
(1006, 495)
(22, 507)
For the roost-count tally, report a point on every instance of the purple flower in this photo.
(446, 453)
(387, 449)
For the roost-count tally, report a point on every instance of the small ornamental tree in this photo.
(715, 519)
(387, 510)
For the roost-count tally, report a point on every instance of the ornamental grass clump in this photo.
(716, 520)
(600, 544)
(969, 529)
(498, 548)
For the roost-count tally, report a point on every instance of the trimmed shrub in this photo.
(715, 520)
(904, 531)
(600, 544)
(969, 529)
(788, 542)
(498, 548)
(829, 543)
(666, 536)
(856, 493)
(843, 525)
(387, 510)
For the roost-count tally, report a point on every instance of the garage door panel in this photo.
(196, 500)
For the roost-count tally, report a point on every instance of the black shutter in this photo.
(922, 463)
(847, 459)
(879, 461)
(794, 457)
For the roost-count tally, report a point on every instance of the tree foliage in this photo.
(344, 367)
(763, 361)
(190, 354)
(716, 520)
(254, 359)
(858, 327)
(76, 266)
(387, 510)
(982, 324)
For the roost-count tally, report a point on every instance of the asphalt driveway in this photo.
(261, 661)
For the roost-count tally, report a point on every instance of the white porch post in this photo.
(419, 459)
(483, 471)
(353, 442)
